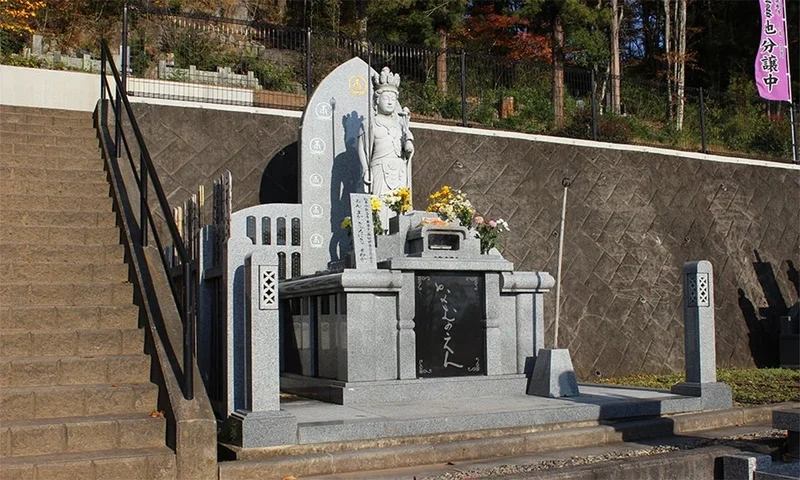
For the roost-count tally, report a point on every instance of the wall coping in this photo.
(489, 133)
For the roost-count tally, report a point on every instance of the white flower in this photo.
(502, 224)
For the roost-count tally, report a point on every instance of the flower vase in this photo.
(394, 225)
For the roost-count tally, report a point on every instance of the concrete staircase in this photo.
(76, 399)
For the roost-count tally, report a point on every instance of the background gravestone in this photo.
(330, 169)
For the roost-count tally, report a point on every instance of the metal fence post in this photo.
(308, 63)
(124, 59)
(594, 107)
(703, 121)
(463, 88)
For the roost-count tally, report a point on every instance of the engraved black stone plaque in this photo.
(449, 324)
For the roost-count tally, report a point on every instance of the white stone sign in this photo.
(364, 253)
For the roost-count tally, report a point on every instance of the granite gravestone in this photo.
(330, 168)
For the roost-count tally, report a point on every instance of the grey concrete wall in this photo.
(633, 218)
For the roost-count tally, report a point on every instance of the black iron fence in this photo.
(237, 62)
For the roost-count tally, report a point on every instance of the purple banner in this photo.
(772, 61)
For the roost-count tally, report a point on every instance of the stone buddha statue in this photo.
(386, 149)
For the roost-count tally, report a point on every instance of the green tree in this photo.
(420, 22)
(578, 34)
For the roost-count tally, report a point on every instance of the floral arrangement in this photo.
(375, 206)
(398, 200)
(450, 205)
(488, 231)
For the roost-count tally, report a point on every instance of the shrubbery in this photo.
(610, 127)
(426, 99)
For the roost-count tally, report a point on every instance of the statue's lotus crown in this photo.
(386, 81)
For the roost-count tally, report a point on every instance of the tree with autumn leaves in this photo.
(16, 19)
(16, 16)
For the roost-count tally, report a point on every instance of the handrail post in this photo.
(188, 332)
(703, 121)
(102, 75)
(463, 88)
(143, 217)
(117, 125)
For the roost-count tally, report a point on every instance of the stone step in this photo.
(35, 273)
(46, 343)
(68, 218)
(55, 130)
(56, 204)
(9, 109)
(61, 318)
(96, 175)
(26, 137)
(74, 370)
(18, 403)
(60, 235)
(139, 464)
(22, 253)
(21, 438)
(54, 186)
(93, 162)
(52, 150)
(61, 119)
(76, 294)
(36, 234)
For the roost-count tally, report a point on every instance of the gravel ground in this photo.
(502, 470)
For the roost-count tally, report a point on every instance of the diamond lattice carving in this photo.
(702, 290)
(697, 289)
(268, 289)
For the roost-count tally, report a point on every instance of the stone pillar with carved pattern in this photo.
(262, 422)
(699, 338)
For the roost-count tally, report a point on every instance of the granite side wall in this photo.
(633, 218)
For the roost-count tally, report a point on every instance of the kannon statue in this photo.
(386, 151)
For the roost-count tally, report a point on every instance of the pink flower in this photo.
(492, 223)
(478, 220)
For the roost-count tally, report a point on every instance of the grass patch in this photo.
(756, 386)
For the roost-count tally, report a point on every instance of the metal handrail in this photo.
(147, 174)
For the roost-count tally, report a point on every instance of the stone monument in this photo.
(330, 169)
(417, 313)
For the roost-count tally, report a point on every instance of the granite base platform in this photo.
(321, 422)
(396, 391)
